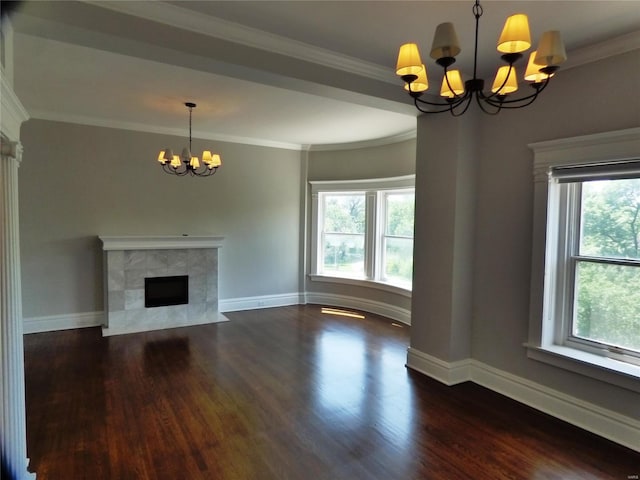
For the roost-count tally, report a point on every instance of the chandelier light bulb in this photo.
(458, 95)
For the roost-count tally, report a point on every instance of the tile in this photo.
(212, 290)
(135, 259)
(115, 280)
(115, 260)
(134, 279)
(157, 259)
(196, 313)
(116, 300)
(133, 299)
(177, 259)
(197, 289)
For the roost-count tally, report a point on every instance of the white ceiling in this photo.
(277, 73)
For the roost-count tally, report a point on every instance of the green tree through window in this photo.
(607, 307)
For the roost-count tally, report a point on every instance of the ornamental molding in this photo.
(599, 147)
(160, 242)
(13, 113)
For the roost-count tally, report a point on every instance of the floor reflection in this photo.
(362, 385)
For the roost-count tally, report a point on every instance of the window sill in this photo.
(361, 282)
(625, 375)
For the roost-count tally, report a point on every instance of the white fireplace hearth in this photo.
(128, 260)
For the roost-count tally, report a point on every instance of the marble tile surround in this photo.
(124, 289)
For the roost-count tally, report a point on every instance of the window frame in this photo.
(569, 201)
(553, 243)
(374, 190)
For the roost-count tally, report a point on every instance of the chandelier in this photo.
(186, 162)
(457, 96)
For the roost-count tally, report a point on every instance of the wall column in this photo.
(13, 435)
(12, 397)
(441, 306)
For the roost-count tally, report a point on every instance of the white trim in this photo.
(549, 304)
(376, 142)
(241, 34)
(160, 242)
(363, 185)
(609, 146)
(55, 116)
(13, 112)
(393, 312)
(622, 374)
(52, 323)
(362, 282)
(449, 373)
(260, 301)
(599, 51)
(601, 421)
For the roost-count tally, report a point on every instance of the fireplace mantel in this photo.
(132, 260)
(160, 242)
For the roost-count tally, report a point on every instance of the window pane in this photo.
(343, 254)
(611, 218)
(400, 215)
(344, 213)
(398, 260)
(608, 304)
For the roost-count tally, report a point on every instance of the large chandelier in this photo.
(514, 40)
(186, 163)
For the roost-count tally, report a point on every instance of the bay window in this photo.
(363, 231)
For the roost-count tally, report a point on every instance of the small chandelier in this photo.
(187, 163)
(515, 39)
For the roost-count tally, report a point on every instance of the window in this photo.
(343, 234)
(397, 237)
(363, 231)
(601, 267)
(586, 262)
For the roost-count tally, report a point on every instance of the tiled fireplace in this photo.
(131, 260)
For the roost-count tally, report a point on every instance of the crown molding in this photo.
(375, 142)
(180, 132)
(12, 112)
(143, 127)
(608, 48)
(183, 18)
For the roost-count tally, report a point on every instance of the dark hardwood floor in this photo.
(282, 393)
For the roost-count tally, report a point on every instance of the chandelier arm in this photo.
(519, 102)
(464, 110)
(457, 100)
(481, 101)
(447, 107)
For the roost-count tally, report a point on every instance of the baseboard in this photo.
(62, 322)
(449, 373)
(611, 425)
(263, 301)
(605, 423)
(401, 315)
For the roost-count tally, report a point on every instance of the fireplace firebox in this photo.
(166, 291)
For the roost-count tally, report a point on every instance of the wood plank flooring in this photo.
(277, 394)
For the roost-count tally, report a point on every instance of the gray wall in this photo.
(77, 182)
(393, 160)
(579, 101)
